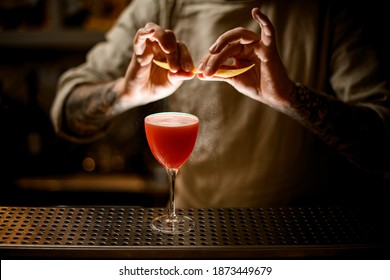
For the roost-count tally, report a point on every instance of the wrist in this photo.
(121, 102)
(124, 98)
(283, 102)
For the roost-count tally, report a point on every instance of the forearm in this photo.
(355, 131)
(89, 108)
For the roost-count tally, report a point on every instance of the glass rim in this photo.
(172, 113)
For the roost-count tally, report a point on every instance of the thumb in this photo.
(267, 29)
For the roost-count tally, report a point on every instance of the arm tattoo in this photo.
(88, 109)
(355, 131)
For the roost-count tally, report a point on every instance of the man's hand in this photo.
(144, 81)
(267, 81)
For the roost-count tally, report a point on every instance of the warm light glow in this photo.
(89, 164)
(117, 162)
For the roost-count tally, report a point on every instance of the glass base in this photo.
(173, 225)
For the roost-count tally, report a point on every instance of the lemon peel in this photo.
(222, 73)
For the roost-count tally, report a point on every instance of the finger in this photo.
(267, 29)
(180, 76)
(166, 40)
(139, 42)
(203, 62)
(236, 35)
(173, 61)
(214, 61)
(185, 58)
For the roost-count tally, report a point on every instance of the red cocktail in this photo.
(171, 137)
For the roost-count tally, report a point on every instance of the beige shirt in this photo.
(247, 154)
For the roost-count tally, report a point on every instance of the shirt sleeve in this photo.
(107, 60)
(358, 69)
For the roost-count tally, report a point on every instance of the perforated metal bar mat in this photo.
(124, 232)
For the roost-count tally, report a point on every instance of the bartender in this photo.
(307, 125)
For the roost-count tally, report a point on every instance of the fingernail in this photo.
(259, 20)
(213, 48)
(200, 66)
(207, 71)
(257, 16)
(267, 32)
(188, 66)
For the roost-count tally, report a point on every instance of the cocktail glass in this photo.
(171, 137)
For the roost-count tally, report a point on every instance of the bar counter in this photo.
(105, 232)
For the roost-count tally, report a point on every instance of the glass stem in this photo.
(172, 172)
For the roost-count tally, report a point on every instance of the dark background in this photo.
(39, 40)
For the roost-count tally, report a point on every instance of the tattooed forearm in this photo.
(355, 131)
(88, 108)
